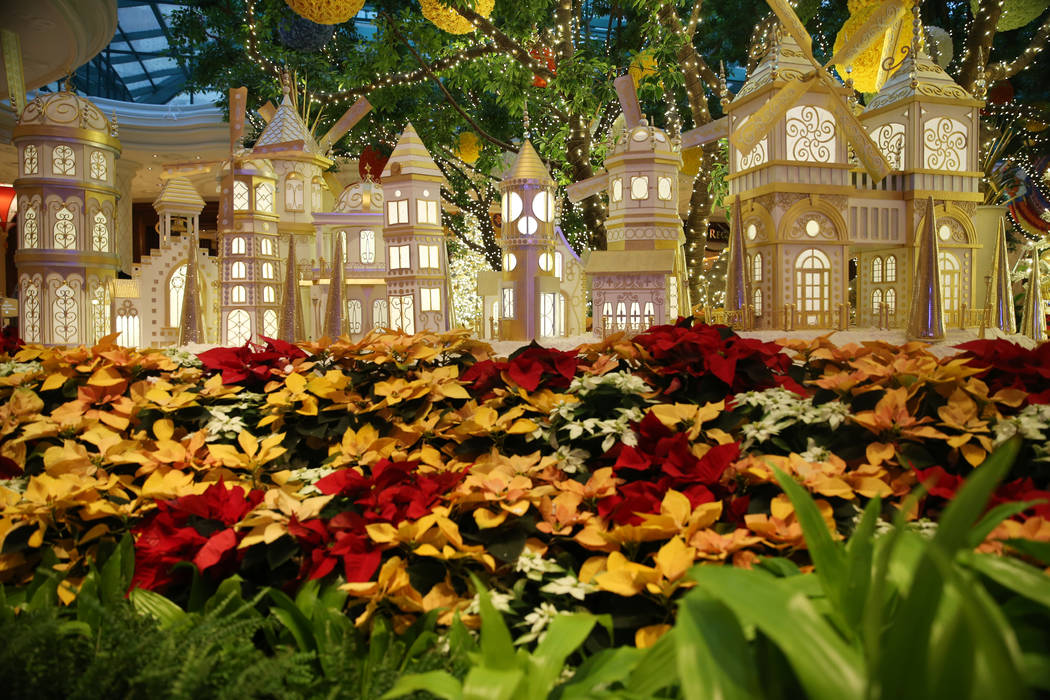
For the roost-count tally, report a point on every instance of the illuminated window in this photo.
(237, 246)
(876, 300)
(379, 307)
(944, 232)
(663, 188)
(269, 295)
(353, 315)
(813, 281)
(64, 317)
(100, 234)
(512, 206)
(617, 190)
(752, 232)
(876, 270)
(240, 195)
(238, 327)
(266, 246)
(99, 167)
(546, 262)
(63, 161)
(30, 164)
(951, 289)
(811, 134)
(316, 202)
(891, 269)
(944, 142)
(508, 302)
(427, 211)
(758, 302)
(30, 228)
(428, 257)
(267, 272)
(636, 313)
(368, 246)
(756, 269)
(128, 325)
(294, 194)
(430, 299)
(891, 300)
(543, 206)
(238, 271)
(176, 292)
(264, 197)
(527, 225)
(640, 187)
(269, 323)
(650, 313)
(397, 212)
(64, 231)
(557, 264)
(607, 314)
(812, 228)
(510, 261)
(402, 314)
(621, 314)
(238, 295)
(398, 257)
(548, 314)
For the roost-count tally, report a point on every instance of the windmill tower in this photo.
(417, 262)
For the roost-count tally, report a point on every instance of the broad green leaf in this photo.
(487, 683)
(603, 669)
(292, 618)
(439, 683)
(156, 606)
(116, 573)
(378, 645)
(856, 582)
(714, 659)
(995, 516)
(1036, 670)
(564, 634)
(1040, 551)
(306, 598)
(827, 667)
(951, 665)
(497, 649)
(656, 670)
(1017, 576)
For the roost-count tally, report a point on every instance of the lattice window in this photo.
(294, 193)
(65, 318)
(758, 302)
(30, 310)
(64, 232)
(891, 301)
(269, 323)
(368, 246)
(100, 234)
(508, 303)
(876, 270)
(264, 197)
(810, 134)
(128, 325)
(30, 162)
(813, 280)
(944, 144)
(548, 313)
(890, 140)
(100, 312)
(30, 228)
(379, 313)
(241, 198)
(99, 167)
(402, 314)
(353, 315)
(876, 300)
(176, 293)
(951, 281)
(238, 327)
(63, 161)
(891, 269)
(756, 269)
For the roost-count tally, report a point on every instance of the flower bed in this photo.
(400, 467)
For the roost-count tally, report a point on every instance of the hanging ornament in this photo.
(444, 17)
(468, 149)
(643, 66)
(939, 46)
(371, 163)
(867, 66)
(297, 32)
(326, 11)
(1001, 93)
(691, 160)
(545, 54)
(1016, 13)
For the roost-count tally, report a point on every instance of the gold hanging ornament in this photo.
(468, 149)
(326, 11)
(868, 73)
(444, 17)
(643, 66)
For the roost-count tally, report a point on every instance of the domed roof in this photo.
(64, 109)
(360, 197)
(646, 138)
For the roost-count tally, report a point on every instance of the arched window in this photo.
(30, 164)
(891, 269)
(546, 262)
(30, 319)
(266, 246)
(264, 197)
(891, 301)
(269, 295)
(64, 317)
(621, 314)
(238, 294)
(269, 322)
(30, 228)
(101, 320)
(267, 271)
(238, 327)
(294, 193)
(238, 271)
(758, 302)
(100, 234)
(237, 246)
(240, 195)
(368, 247)
(128, 325)
(607, 315)
(650, 313)
(64, 231)
(63, 161)
(636, 314)
(951, 289)
(813, 281)
(353, 315)
(876, 270)
(379, 316)
(176, 291)
(99, 168)
(548, 313)
(876, 300)
(756, 270)
(315, 195)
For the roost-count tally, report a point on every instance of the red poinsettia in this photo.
(250, 363)
(196, 529)
(10, 343)
(1011, 366)
(340, 539)
(394, 491)
(531, 367)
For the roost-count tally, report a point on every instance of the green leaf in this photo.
(487, 683)
(156, 606)
(497, 649)
(564, 634)
(289, 615)
(995, 516)
(439, 683)
(827, 667)
(117, 572)
(714, 660)
(860, 550)
(656, 670)
(1039, 551)
(603, 669)
(1017, 576)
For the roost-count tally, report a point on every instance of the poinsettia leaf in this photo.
(214, 549)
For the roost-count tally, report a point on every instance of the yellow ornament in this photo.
(643, 66)
(691, 160)
(866, 69)
(468, 149)
(444, 17)
(326, 11)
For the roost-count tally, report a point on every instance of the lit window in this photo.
(426, 211)
(269, 323)
(99, 168)
(100, 234)
(368, 246)
(128, 325)
(606, 314)
(263, 197)
(64, 231)
(63, 161)
(617, 190)
(510, 261)
(944, 232)
(813, 281)
(891, 269)
(353, 315)
(548, 314)
(430, 299)
(237, 246)
(636, 313)
(557, 263)
(316, 202)
(238, 327)
(527, 225)
(508, 302)
(891, 301)
(402, 315)
(428, 257)
(650, 313)
(397, 212)
(240, 195)
(266, 246)
(65, 321)
(176, 291)
(876, 270)
(267, 271)
(812, 228)
(269, 295)
(512, 206)
(758, 302)
(238, 271)
(756, 270)
(811, 134)
(293, 193)
(238, 295)
(546, 262)
(30, 164)
(621, 314)
(30, 228)
(876, 300)
(543, 206)
(951, 289)
(640, 187)
(398, 257)
(663, 188)
(379, 319)
(752, 232)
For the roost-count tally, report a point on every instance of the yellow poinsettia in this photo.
(891, 418)
(392, 585)
(269, 520)
(627, 578)
(973, 438)
(253, 453)
(295, 392)
(363, 446)
(780, 528)
(434, 535)
(693, 416)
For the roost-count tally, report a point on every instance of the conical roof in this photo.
(926, 321)
(930, 82)
(529, 166)
(411, 156)
(286, 126)
(178, 195)
(738, 277)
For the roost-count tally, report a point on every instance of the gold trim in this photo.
(794, 164)
(32, 181)
(73, 133)
(65, 258)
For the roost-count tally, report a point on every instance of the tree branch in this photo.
(506, 44)
(979, 41)
(694, 19)
(1003, 69)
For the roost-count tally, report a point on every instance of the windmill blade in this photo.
(238, 103)
(711, 131)
(579, 191)
(188, 168)
(888, 13)
(868, 152)
(887, 62)
(267, 111)
(758, 125)
(625, 90)
(350, 117)
(791, 23)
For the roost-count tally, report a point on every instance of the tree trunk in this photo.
(979, 41)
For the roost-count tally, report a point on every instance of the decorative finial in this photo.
(738, 275)
(525, 119)
(368, 172)
(1000, 299)
(1033, 318)
(723, 88)
(191, 320)
(980, 85)
(335, 314)
(290, 327)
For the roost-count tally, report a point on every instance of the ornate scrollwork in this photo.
(810, 134)
(31, 310)
(64, 231)
(890, 140)
(64, 315)
(944, 141)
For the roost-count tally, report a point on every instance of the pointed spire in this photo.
(926, 320)
(334, 313)
(738, 281)
(1000, 299)
(290, 328)
(529, 166)
(1033, 319)
(191, 326)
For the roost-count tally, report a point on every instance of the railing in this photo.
(965, 317)
(629, 327)
(885, 316)
(796, 319)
